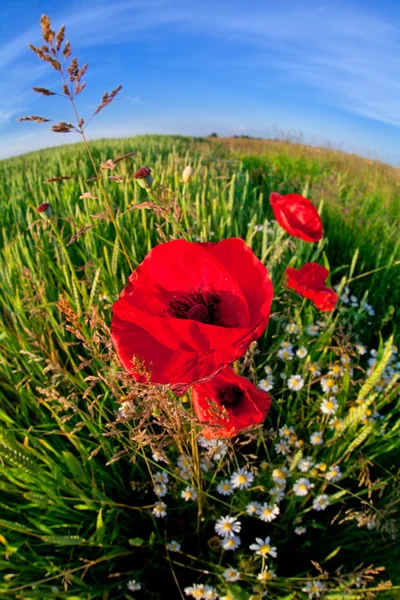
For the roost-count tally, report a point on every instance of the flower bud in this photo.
(144, 177)
(187, 174)
(44, 210)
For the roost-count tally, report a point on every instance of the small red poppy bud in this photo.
(44, 210)
(144, 177)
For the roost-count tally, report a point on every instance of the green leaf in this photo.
(136, 541)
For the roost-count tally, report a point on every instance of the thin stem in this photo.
(170, 217)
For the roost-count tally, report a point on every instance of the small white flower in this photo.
(252, 508)
(300, 530)
(265, 576)
(302, 352)
(184, 461)
(266, 384)
(126, 409)
(209, 593)
(329, 385)
(287, 345)
(321, 502)
(160, 489)
(185, 474)
(286, 431)
(225, 488)
(282, 447)
(268, 370)
(133, 586)
(314, 369)
(242, 479)
(329, 405)
(160, 477)
(158, 456)
(316, 438)
(227, 526)
(276, 494)
(361, 349)
(268, 512)
(196, 590)
(295, 383)
(336, 371)
(334, 474)
(292, 328)
(302, 487)
(189, 493)
(279, 475)
(285, 354)
(231, 574)
(305, 464)
(174, 546)
(159, 510)
(336, 424)
(231, 543)
(314, 589)
(312, 330)
(264, 548)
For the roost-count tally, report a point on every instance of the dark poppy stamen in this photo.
(230, 395)
(198, 305)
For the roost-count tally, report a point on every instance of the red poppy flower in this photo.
(298, 216)
(229, 404)
(309, 282)
(191, 309)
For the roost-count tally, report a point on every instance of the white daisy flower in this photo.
(242, 479)
(185, 461)
(158, 456)
(189, 493)
(295, 383)
(336, 371)
(264, 548)
(302, 487)
(209, 593)
(305, 464)
(160, 477)
(227, 526)
(285, 354)
(174, 546)
(314, 589)
(286, 431)
(316, 438)
(314, 369)
(329, 405)
(133, 585)
(280, 474)
(265, 576)
(225, 488)
(160, 489)
(185, 474)
(266, 384)
(302, 352)
(282, 447)
(268, 512)
(300, 530)
(126, 409)
(159, 510)
(374, 353)
(292, 328)
(287, 345)
(334, 474)
(252, 508)
(268, 370)
(312, 330)
(205, 465)
(321, 502)
(196, 590)
(361, 349)
(276, 494)
(231, 574)
(231, 543)
(329, 385)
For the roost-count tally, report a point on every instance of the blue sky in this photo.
(326, 70)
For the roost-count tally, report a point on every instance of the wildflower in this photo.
(125, 410)
(286, 431)
(336, 424)
(159, 510)
(252, 508)
(242, 479)
(205, 465)
(279, 475)
(264, 548)
(305, 464)
(196, 590)
(336, 371)
(298, 216)
(302, 352)
(292, 328)
(189, 493)
(227, 526)
(158, 456)
(268, 512)
(282, 447)
(295, 382)
(302, 487)
(218, 449)
(185, 474)
(160, 489)
(334, 474)
(174, 546)
(300, 530)
(266, 384)
(321, 467)
(144, 177)
(160, 477)
(231, 574)
(312, 330)
(231, 543)
(265, 576)
(287, 345)
(316, 438)
(187, 174)
(209, 593)
(329, 405)
(44, 210)
(361, 349)
(329, 385)
(276, 494)
(184, 461)
(268, 370)
(133, 586)
(321, 502)
(225, 488)
(313, 588)
(285, 354)
(309, 282)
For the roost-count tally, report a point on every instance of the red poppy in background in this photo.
(309, 282)
(298, 216)
(229, 404)
(191, 309)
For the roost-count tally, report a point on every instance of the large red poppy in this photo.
(229, 404)
(298, 216)
(309, 281)
(191, 309)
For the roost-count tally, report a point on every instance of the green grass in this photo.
(73, 497)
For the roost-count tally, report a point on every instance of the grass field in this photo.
(76, 495)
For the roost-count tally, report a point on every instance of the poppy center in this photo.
(230, 395)
(199, 305)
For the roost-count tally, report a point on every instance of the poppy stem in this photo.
(170, 216)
